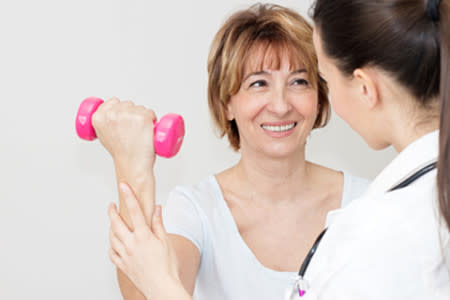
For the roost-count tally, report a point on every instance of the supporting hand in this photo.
(144, 255)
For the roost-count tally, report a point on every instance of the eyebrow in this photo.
(265, 72)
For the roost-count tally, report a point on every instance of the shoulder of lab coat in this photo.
(388, 247)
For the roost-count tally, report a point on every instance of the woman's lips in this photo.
(279, 129)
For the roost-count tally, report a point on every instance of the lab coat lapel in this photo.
(344, 237)
(417, 155)
(350, 226)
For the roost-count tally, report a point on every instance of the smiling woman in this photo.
(248, 45)
(243, 233)
(277, 104)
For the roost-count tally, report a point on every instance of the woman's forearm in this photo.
(172, 290)
(127, 288)
(143, 184)
(171, 286)
(126, 132)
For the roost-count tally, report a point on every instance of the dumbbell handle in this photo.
(168, 132)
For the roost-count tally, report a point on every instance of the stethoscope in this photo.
(301, 283)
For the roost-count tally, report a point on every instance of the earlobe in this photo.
(367, 87)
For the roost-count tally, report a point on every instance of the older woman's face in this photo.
(275, 108)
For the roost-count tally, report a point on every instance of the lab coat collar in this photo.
(324, 264)
(414, 157)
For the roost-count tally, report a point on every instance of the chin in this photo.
(377, 145)
(281, 151)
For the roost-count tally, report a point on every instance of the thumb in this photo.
(157, 224)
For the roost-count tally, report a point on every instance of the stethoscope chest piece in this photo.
(301, 285)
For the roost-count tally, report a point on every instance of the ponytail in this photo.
(443, 176)
(420, 26)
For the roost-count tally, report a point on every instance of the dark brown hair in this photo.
(266, 26)
(407, 38)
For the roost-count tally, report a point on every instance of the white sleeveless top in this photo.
(228, 268)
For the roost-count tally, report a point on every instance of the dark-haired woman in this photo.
(387, 67)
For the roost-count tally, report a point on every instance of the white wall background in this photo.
(55, 188)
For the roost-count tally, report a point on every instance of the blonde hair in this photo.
(274, 28)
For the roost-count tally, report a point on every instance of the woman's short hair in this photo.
(272, 27)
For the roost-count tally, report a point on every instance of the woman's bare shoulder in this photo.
(326, 175)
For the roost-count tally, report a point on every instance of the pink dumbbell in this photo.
(168, 132)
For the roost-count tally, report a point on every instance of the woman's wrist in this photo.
(141, 173)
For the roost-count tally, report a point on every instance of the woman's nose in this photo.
(279, 102)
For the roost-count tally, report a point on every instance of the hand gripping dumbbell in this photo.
(168, 132)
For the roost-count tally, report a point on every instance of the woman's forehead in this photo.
(272, 57)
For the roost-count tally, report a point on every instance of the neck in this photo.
(273, 179)
(407, 120)
(411, 124)
(412, 132)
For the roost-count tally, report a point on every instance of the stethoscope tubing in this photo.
(402, 184)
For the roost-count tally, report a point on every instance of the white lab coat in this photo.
(387, 245)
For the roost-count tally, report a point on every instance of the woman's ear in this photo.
(366, 79)
(229, 112)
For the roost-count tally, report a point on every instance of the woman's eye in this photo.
(300, 81)
(258, 83)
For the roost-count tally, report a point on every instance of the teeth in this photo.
(279, 128)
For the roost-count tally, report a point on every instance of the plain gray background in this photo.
(55, 188)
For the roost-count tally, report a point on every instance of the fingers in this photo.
(151, 114)
(116, 260)
(118, 227)
(157, 224)
(114, 111)
(117, 245)
(110, 102)
(128, 103)
(134, 210)
(114, 104)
